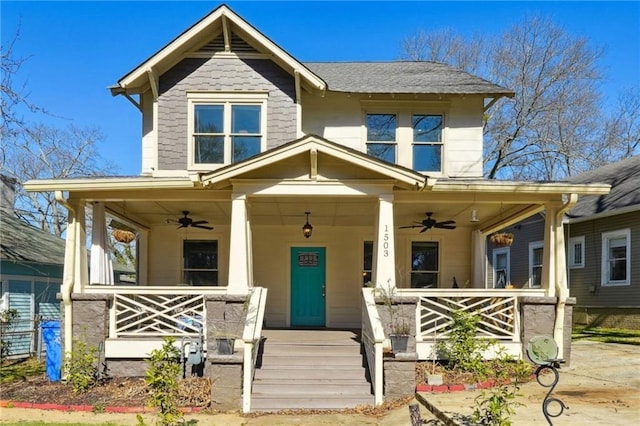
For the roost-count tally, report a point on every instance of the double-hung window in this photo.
(200, 262)
(535, 264)
(424, 264)
(367, 264)
(225, 129)
(576, 252)
(501, 268)
(427, 142)
(381, 136)
(616, 256)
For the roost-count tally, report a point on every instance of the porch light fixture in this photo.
(474, 216)
(307, 229)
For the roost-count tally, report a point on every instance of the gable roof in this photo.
(207, 31)
(402, 77)
(315, 145)
(22, 242)
(624, 178)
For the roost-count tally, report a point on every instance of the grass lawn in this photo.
(607, 335)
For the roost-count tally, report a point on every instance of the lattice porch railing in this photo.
(157, 315)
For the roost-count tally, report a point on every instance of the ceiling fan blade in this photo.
(447, 222)
(409, 226)
(199, 222)
(195, 225)
(444, 226)
(182, 225)
(424, 229)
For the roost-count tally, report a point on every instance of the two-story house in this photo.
(304, 181)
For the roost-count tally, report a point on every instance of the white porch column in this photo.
(101, 267)
(81, 273)
(384, 267)
(478, 259)
(548, 279)
(239, 247)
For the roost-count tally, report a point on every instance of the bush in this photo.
(81, 367)
(462, 348)
(162, 379)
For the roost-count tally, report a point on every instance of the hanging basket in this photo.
(502, 239)
(123, 236)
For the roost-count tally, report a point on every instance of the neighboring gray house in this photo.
(603, 256)
(602, 234)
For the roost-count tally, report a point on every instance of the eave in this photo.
(107, 184)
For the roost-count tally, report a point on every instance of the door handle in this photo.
(324, 291)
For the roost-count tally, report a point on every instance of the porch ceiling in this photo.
(325, 211)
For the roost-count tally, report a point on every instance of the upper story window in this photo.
(576, 252)
(616, 264)
(427, 142)
(225, 128)
(381, 136)
(409, 134)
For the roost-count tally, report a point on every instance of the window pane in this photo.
(245, 119)
(424, 256)
(367, 264)
(209, 119)
(577, 254)
(424, 280)
(245, 147)
(537, 256)
(427, 157)
(383, 151)
(209, 149)
(201, 278)
(200, 254)
(536, 278)
(427, 128)
(501, 261)
(618, 270)
(381, 127)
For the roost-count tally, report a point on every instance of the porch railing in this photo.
(157, 311)
(498, 311)
(372, 342)
(252, 336)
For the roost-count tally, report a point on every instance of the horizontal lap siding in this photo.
(243, 76)
(585, 282)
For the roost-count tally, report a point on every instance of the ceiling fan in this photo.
(186, 221)
(429, 223)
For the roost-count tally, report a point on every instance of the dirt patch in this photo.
(117, 392)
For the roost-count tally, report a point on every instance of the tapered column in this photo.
(548, 279)
(478, 258)
(384, 268)
(239, 247)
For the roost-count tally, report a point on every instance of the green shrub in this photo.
(462, 348)
(81, 367)
(162, 379)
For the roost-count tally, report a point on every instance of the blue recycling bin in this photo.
(53, 361)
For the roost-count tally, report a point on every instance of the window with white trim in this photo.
(225, 128)
(501, 268)
(367, 264)
(424, 264)
(536, 250)
(200, 262)
(576, 252)
(616, 255)
(427, 142)
(381, 136)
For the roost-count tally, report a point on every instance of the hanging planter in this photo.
(502, 239)
(123, 236)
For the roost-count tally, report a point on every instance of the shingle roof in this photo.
(402, 77)
(624, 178)
(21, 242)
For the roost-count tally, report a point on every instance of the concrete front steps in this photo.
(310, 369)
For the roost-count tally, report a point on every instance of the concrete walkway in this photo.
(602, 387)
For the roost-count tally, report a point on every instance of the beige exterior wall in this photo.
(340, 118)
(344, 262)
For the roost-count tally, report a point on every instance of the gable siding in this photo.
(585, 282)
(221, 74)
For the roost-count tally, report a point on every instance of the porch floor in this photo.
(310, 369)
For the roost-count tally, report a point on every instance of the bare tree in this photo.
(46, 152)
(621, 129)
(549, 129)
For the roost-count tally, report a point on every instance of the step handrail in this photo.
(251, 337)
(373, 339)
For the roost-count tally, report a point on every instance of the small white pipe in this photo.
(68, 272)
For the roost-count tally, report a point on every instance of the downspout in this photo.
(562, 288)
(68, 271)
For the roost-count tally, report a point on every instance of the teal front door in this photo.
(308, 286)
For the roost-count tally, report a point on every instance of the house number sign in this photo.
(308, 259)
(385, 242)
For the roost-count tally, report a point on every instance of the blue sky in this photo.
(77, 49)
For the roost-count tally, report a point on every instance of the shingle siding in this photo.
(585, 283)
(215, 74)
